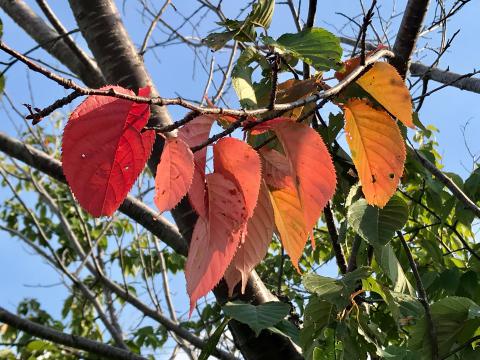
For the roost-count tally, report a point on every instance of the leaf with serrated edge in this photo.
(195, 133)
(312, 167)
(253, 250)
(386, 86)
(289, 221)
(377, 148)
(215, 241)
(104, 149)
(174, 174)
(240, 163)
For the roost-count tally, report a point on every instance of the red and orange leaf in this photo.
(195, 133)
(386, 86)
(267, 125)
(253, 250)
(289, 221)
(276, 169)
(312, 167)
(239, 162)
(104, 149)
(350, 64)
(174, 174)
(216, 239)
(378, 150)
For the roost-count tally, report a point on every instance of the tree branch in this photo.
(76, 342)
(408, 33)
(337, 247)
(422, 296)
(43, 34)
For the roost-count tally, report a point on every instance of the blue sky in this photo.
(448, 110)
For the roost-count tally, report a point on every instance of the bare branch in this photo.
(74, 341)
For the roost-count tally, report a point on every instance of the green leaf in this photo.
(242, 83)
(257, 317)
(388, 262)
(316, 46)
(216, 41)
(335, 291)
(377, 226)
(213, 341)
(262, 13)
(318, 314)
(286, 328)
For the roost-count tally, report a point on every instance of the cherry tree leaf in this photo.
(276, 169)
(378, 150)
(195, 133)
(253, 250)
(386, 86)
(239, 162)
(104, 149)
(289, 221)
(311, 166)
(174, 174)
(215, 240)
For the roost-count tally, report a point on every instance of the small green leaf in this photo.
(216, 41)
(257, 317)
(242, 83)
(262, 13)
(377, 226)
(213, 341)
(316, 46)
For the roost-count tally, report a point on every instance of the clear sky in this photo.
(171, 68)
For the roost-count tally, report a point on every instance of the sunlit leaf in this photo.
(378, 150)
(104, 149)
(386, 86)
(316, 46)
(174, 174)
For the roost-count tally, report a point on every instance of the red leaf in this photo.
(267, 125)
(215, 240)
(174, 174)
(104, 150)
(238, 162)
(276, 169)
(195, 133)
(312, 168)
(253, 250)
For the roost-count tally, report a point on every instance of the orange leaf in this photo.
(215, 240)
(289, 221)
(253, 250)
(174, 174)
(311, 166)
(386, 86)
(276, 169)
(378, 150)
(195, 133)
(239, 162)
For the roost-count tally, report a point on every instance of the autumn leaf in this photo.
(311, 166)
(276, 169)
(104, 149)
(377, 148)
(289, 221)
(240, 163)
(174, 174)
(195, 133)
(253, 250)
(387, 87)
(215, 239)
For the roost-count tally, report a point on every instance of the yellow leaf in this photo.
(386, 86)
(289, 221)
(378, 150)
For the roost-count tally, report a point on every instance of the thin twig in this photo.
(332, 231)
(152, 27)
(422, 297)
